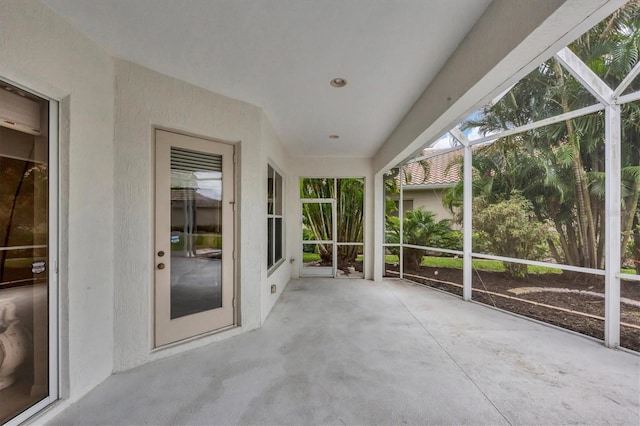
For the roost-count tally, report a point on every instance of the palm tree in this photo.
(317, 217)
(560, 168)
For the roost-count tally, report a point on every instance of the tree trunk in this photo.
(412, 258)
(583, 198)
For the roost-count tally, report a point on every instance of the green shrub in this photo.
(420, 228)
(509, 228)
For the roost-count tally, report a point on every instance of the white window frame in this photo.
(271, 238)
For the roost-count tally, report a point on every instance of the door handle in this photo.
(160, 265)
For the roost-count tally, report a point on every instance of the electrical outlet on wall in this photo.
(274, 288)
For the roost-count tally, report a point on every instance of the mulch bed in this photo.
(500, 283)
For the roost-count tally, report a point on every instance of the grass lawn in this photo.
(479, 264)
(310, 257)
(456, 263)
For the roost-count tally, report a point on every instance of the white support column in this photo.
(467, 226)
(613, 227)
(401, 175)
(467, 216)
(378, 226)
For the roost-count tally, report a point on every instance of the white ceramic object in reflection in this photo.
(14, 343)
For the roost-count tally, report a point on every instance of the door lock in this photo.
(160, 265)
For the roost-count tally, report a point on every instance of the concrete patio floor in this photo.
(357, 352)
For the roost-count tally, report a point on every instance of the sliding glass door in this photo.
(27, 336)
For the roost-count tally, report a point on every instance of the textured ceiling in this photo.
(281, 55)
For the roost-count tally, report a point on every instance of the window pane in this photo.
(278, 240)
(278, 194)
(269, 242)
(270, 191)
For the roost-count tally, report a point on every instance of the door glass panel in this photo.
(24, 262)
(196, 232)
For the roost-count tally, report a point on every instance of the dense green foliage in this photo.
(560, 168)
(421, 228)
(317, 217)
(510, 229)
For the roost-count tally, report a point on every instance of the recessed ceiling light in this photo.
(338, 82)
(334, 137)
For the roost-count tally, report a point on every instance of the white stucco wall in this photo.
(331, 167)
(42, 52)
(145, 99)
(430, 199)
(108, 110)
(275, 154)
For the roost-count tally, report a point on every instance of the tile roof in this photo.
(436, 168)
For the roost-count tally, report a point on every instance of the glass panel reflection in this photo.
(24, 317)
(196, 232)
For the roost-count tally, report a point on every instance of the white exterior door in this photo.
(194, 241)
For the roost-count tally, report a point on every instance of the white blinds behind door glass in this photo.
(190, 161)
(19, 113)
